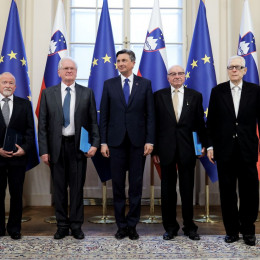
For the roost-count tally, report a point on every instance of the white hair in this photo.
(243, 61)
(66, 58)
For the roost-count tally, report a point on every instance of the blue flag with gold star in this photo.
(200, 72)
(13, 59)
(103, 67)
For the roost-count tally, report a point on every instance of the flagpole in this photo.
(151, 219)
(207, 218)
(104, 219)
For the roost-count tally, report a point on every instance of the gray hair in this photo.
(243, 61)
(8, 73)
(66, 58)
(173, 66)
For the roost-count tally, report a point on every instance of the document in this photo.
(12, 137)
(84, 140)
(197, 143)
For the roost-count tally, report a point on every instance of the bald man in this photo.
(16, 116)
(179, 112)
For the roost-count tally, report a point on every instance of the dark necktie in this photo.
(126, 90)
(66, 108)
(6, 111)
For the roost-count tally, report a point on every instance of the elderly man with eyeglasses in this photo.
(233, 115)
(179, 112)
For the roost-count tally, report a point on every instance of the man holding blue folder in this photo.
(179, 113)
(64, 109)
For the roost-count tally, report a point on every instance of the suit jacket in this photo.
(136, 118)
(22, 121)
(176, 138)
(224, 127)
(51, 120)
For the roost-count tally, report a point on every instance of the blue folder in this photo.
(84, 141)
(197, 143)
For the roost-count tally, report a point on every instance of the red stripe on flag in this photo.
(39, 99)
(258, 162)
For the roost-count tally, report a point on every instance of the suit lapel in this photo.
(187, 99)
(243, 98)
(16, 109)
(78, 95)
(57, 94)
(134, 90)
(167, 99)
(228, 99)
(119, 89)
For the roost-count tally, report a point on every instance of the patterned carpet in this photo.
(147, 247)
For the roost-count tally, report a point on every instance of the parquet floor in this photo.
(38, 227)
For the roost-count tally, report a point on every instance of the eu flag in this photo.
(200, 72)
(103, 67)
(13, 59)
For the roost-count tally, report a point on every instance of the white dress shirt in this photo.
(180, 97)
(130, 82)
(10, 103)
(70, 129)
(236, 94)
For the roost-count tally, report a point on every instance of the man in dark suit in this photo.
(16, 114)
(64, 109)
(234, 111)
(178, 112)
(127, 136)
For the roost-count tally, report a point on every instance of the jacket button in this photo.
(236, 123)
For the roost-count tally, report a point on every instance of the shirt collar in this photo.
(181, 89)
(232, 85)
(64, 86)
(10, 97)
(131, 78)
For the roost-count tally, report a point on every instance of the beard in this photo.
(7, 92)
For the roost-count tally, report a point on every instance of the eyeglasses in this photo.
(235, 67)
(11, 83)
(173, 74)
(68, 68)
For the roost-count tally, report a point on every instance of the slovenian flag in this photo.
(57, 50)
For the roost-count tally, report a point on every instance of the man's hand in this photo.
(46, 159)
(91, 152)
(105, 150)
(20, 151)
(5, 154)
(203, 151)
(148, 148)
(156, 159)
(210, 155)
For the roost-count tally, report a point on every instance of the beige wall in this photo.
(37, 17)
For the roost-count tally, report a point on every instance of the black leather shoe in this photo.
(133, 235)
(77, 233)
(121, 233)
(16, 235)
(250, 240)
(231, 239)
(61, 233)
(169, 235)
(192, 234)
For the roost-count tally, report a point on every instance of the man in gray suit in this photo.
(64, 109)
